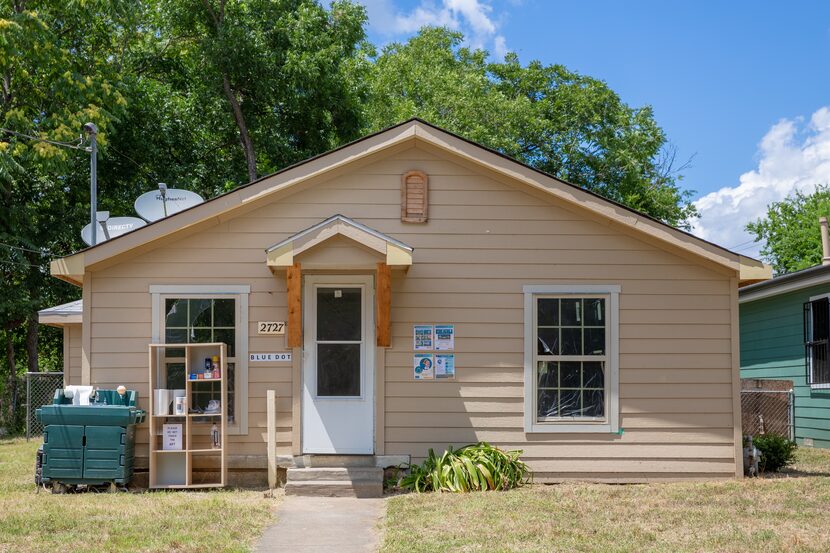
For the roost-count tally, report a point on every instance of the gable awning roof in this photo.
(72, 268)
(59, 315)
(281, 254)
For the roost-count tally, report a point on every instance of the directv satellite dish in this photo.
(158, 204)
(112, 227)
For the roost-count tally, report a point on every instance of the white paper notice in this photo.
(423, 337)
(444, 337)
(172, 436)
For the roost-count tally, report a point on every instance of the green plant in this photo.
(776, 451)
(475, 467)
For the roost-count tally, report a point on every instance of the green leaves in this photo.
(476, 467)
(570, 125)
(790, 230)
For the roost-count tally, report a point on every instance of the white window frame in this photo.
(819, 385)
(238, 292)
(611, 422)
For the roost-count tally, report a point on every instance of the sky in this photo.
(742, 88)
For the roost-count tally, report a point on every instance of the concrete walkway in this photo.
(324, 525)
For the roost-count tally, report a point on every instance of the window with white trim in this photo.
(816, 341)
(571, 359)
(202, 313)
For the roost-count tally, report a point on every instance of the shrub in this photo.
(776, 451)
(475, 467)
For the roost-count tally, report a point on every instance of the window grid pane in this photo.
(571, 358)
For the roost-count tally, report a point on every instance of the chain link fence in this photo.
(40, 390)
(768, 412)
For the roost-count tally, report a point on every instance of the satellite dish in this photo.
(110, 228)
(158, 204)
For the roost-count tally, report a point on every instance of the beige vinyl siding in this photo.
(72, 354)
(485, 239)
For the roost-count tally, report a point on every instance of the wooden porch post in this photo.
(383, 302)
(294, 283)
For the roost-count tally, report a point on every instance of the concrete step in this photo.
(335, 488)
(335, 461)
(334, 473)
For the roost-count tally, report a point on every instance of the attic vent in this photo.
(414, 197)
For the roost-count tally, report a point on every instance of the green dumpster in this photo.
(89, 444)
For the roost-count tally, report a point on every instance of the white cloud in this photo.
(472, 17)
(794, 155)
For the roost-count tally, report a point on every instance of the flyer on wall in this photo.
(445, 365)
(423, 365)
(444, 337)
(423, 337)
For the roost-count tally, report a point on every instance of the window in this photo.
(571, 365)
(414, 197)
(201, 314)
(816, 339)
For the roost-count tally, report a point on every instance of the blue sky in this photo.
(744, 87)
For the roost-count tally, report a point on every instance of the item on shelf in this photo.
(181, 405)
(208, 364)
(162, 400)
(215, 437)
(172, 436)
(216, 373)
(200, 376)
(214, 406)
(192, 376)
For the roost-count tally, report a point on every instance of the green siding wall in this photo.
(772, 346)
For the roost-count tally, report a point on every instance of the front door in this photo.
(338, 365)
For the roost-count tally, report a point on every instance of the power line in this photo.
(20, 263)
(55, 142)
(25, 249)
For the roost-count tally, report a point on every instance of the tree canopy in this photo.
(570, 125)
(790, 230)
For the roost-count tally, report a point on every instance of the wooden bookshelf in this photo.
(174, 468)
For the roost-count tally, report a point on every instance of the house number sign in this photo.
(271, 327)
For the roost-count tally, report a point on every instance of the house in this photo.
(601, 342)
(785, 335)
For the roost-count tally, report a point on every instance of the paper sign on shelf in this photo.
(445, 365)
(172, 436)
(424, 366)
(423, 337)
(444, 337)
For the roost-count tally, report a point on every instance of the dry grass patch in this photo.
(784, 513)
(215, 521)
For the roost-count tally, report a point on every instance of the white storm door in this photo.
(338, 402)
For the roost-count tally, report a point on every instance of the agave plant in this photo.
(475, 467)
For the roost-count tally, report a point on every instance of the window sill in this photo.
(823, 386)
(570, 428)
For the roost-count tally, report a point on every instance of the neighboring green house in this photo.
(784, 335)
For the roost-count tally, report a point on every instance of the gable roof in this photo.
(60, 315)
(72, 268)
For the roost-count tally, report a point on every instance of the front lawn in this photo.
(198, 522)
(782, 513)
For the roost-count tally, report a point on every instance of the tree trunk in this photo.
(244, 136)
(32, 328)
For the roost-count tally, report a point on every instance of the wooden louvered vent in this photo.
(414, 197)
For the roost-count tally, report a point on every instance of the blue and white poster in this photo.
(445, 365)
(444, 337)
(424, 369)
(423, 337)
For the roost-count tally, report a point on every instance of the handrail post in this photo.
(272, 438)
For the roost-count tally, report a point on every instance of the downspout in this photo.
(825, 241)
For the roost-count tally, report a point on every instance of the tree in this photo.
(790, 230)
(277, 67)
(572, 126)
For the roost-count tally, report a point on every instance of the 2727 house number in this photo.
(271, 327)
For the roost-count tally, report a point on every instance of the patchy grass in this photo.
(226, 520)
(784, 512)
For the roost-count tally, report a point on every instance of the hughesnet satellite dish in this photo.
(158, 204)
(110, 228)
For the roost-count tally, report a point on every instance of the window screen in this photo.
(571, 358)
(816, 338)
